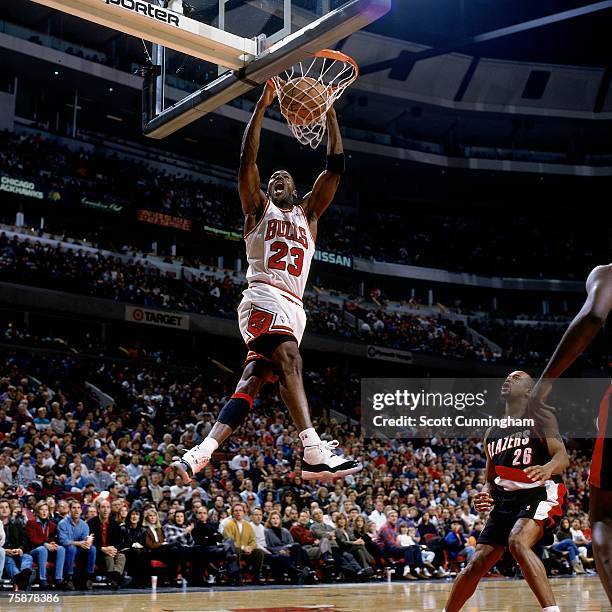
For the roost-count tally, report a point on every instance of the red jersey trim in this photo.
(508, 473)
(244, 396)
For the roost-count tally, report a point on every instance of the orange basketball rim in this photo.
(307, 90)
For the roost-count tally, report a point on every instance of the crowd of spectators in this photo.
(418, 333)
(482, 240)
(108, 178)
(533, 344)
(28, 261)
(423, 236)
(41, 265)
(90, 489)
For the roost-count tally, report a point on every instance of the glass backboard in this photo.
(269, 21)
(219, 49)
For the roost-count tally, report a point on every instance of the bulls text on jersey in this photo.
(276, 228)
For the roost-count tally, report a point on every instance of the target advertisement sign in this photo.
(137, 314)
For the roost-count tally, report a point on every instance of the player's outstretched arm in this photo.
(483, 501)
(582, 329)
(249, 182)
(326, 185)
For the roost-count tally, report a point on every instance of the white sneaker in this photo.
(441, 573)
(426, 573)
(321, 462)
(190, 464)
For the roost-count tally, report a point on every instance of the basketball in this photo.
(303, 100)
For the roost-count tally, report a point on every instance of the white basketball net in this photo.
(333, 72)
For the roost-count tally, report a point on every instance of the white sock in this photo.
(205, 449)
(209, 446)
(551, 609)
(309, 437)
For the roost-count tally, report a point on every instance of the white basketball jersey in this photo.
(280, 249)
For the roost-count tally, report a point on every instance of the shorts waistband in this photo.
(285, 291)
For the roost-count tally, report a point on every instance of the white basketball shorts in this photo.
(265, 309)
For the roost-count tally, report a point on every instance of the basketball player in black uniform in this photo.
(586, 325)
(525, 495)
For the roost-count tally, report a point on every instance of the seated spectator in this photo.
(50, 486)
(26, 474)
(141, 491)
(405, 516)
(241, 533)
(6, 476)
(17, 563)
(73, 534)
(411, 555)
(300, 531)
(43, 545)
(76, 482)
(290, 516)
(41, 421)
(210, 545)
(432, 553)
(353, 545)
(407, 536)
(378, 516)
(564, 544)
(109, 542)
(456, 542)
(133, 542)
(585, 546)
(285, 554)
(426, 527)
(101, 479)
(361, 531)
(477, 530)
(155, 542)
(120, 515)
(322, 531)
(256, 519)
(61, 511)
(241, 461)
(179, 537)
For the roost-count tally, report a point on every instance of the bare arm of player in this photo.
(581, 330)
(249, 182)
(483, 502)
(318, 200)
(557, 465)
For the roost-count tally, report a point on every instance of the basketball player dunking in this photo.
(579, 335)
(280, 234)
(525, 495)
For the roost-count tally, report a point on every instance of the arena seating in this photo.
(426, 236)
(123, 453)
(28, 261)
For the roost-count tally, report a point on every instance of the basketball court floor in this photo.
(573, 594)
